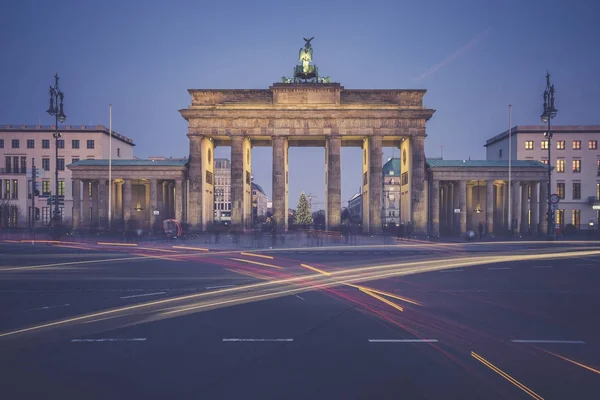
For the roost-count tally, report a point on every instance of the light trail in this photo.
(396, 306)
(573, 362)
(506, 376)
(256, 255)
(190, 248)
(117, 244)
(256, 263)
(316, 281)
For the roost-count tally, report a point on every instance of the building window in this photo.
(8, 165)
(30, 143)
(61, 188)
(576, 165)
(560, 190)
(1, 143)
(118, 152)
(74, 160)
(560, 217)
(593, 144)
(544, 145)
(545, 162)
(7, 188)
(75, 144)
(500, 153)
(60, 143)
(576, 144)
(45, 144)
(597, 191)
(560, 145)
(560, 165)
(15, 192)
(576, 218)
(15, 143)
(23, 164)
(529, 145)
(90, 144)
(46, 164)
(45, 188)
(598, 162)
(16, 165)
(60, 164)
(576, 190)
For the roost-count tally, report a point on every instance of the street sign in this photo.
(457, 211)
(554, 199)
(156, 212)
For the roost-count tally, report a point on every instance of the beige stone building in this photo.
(576, 161)
(23, 145)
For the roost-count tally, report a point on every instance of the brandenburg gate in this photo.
(306, 110)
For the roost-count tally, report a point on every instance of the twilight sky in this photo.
(473, 57)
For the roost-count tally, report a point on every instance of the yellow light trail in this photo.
(117, 244)
(256, 263)
(392, 295)
(256, 255)
(40, 241)
(506, 376)
(315, 269)
(190, 248)
(386, 301)
(71, 263)
(155, 249)
(340, 277)
(573, 362)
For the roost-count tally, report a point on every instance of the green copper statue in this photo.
(306, 55)
(305, 72)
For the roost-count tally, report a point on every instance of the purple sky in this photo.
(143, 56)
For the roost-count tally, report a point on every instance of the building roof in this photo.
(439, 163)
(67, 128)
(256, 186)
(556, 129)
(357, 195)
(175, 162)
(393, 164)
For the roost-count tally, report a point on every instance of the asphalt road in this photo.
(413, 321)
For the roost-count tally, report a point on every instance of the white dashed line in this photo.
(256, 340)
(143, 295)
(497, 268)
(108, 340)
(548, 341)
(300, 297)
(542, 266)
(403, 340)
(48, 307)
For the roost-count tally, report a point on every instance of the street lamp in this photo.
(549, 112)
(56, 110)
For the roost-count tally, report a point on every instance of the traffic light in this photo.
(37, 213)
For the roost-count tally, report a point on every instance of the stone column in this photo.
(515, 210)
(127, 202)
(535, 208)
(102, 203)
(76, 203)
(94, 199)
(544, 207)
(280, 183)
(200, 173)
(365, 178)
(456, 206)
(333, 183)
(153, 202)
(196, 178)
(525, 208)
(171, 196)
(86, 204)
(119, 203)
(178, 199)
(462, 196)
(375, 184)
(435, 204)
(417, 182)
(241, 195)
(489, 207)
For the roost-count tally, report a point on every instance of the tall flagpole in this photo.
(510, 227)
(110, 184)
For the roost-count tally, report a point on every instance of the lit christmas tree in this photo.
(303, 214)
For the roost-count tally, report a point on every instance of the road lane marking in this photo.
(190, 248)
(143, 295)
(453, 270)
(300, 297)
(257, 255)
(403, 340)
(138, 339)
(48, 307)
(256, 340)
(218, 287)
(573, 362)
(497, 268)
(542, 266)
(40, 241)
(548, 341)
(155, 249)
(117, 244)
(506, 376)
(256, 263)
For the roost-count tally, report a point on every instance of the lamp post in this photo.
(56, 110)
(549, 112)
